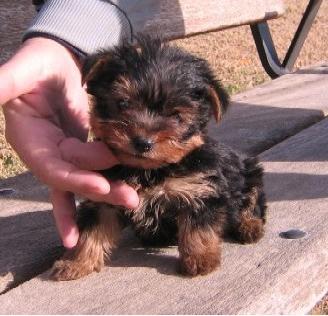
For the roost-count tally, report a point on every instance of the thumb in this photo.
(19, 75)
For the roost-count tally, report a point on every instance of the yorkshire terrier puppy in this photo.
(151, 104)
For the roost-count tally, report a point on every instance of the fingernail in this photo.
(71, 239)
(132, 200)
(124, 195)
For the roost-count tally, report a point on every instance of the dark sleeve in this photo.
(85, 25)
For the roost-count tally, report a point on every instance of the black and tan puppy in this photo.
(151, 106)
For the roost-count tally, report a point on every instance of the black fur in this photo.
(234, 175)
(164, 76)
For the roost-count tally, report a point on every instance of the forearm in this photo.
(87, 26)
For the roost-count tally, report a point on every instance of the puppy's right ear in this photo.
(92, 65)
(219, 100)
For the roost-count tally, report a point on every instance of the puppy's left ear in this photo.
(92, 65)
(219, 99)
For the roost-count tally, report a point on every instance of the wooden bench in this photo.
(283, 121)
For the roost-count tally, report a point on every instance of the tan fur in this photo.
(92, 248)
(200, 249)
(172, 151)
(165, 152)
(145, 122)
(123, 87)
(216, 104)
(190, 189)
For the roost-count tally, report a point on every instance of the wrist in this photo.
(76, 54)
(53, 57)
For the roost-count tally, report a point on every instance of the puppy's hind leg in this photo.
(100, 227)
(249, 225)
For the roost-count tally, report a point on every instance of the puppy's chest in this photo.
(165, 194)
(168, 198)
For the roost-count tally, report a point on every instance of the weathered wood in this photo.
(179, 18)
(170, 18)
(28, 240)
(272, 277)
(269, 113)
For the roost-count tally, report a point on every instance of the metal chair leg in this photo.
(266, 48)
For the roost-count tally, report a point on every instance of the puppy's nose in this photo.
(142, 145)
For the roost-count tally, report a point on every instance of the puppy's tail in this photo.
(253, 174)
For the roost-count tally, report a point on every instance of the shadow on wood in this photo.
(29, 244)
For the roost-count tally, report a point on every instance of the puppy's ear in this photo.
(93, 64)
(219, 99)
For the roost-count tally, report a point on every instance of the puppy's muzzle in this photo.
(142, 145)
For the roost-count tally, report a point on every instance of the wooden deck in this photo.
(283, 121)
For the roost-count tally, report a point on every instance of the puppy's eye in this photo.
(123, 104)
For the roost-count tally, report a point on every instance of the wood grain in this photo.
(176, 19)
(269, 113)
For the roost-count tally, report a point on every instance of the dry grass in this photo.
(321, 308)
(10, 164)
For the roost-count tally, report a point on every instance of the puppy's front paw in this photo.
(65, 270)
(193, 265)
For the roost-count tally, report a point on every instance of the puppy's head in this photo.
(151, 102)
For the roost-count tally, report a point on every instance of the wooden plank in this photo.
(258, 119)
(269, 113)
(170, 18)
(28, 240)
(275, 276)
(180, 18)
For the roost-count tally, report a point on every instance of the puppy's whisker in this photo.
(112, 122)
(114, 143)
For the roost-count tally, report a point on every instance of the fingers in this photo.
(67, 177)
(61, 174)
(37, 144)
(96, 156)
(64, 214)
(88, 156)
(122, 194)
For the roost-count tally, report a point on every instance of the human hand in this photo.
(46, 113)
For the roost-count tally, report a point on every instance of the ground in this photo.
(233, 56)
